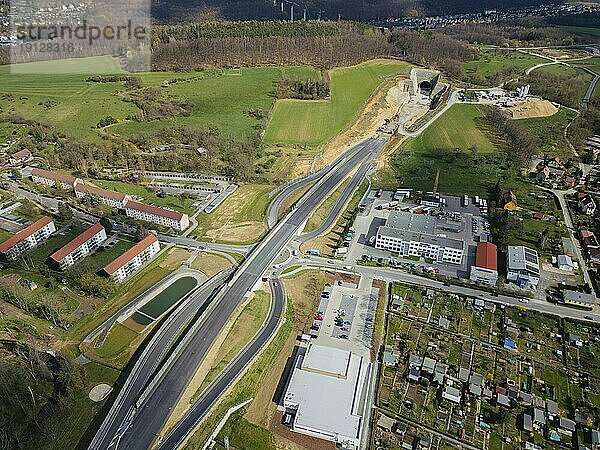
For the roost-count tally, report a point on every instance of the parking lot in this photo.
(345, 316)
(453, 221)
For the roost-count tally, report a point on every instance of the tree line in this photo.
(302, 89)
(518, 140)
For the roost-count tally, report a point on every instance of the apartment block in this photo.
(133, 259)
(80, 247)
(27, 238)
(160, 216)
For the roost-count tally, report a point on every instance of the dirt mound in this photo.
(533, 108)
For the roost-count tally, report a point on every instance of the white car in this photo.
(524, 300)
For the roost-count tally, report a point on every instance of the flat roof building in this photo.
(523, 266)
(324, 394)
(107, 197)
(80, 247)
(54, 179)
(414, 235)
(133, 259)
(27, 238)
(154, 214)
(579, 298)
(485, 269)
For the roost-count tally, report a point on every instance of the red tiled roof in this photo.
(99, 192)
(78, 241)
(24, 233)
(130, 254)
(154, 210)
(509, 196)
(53, 175)
(487, 256)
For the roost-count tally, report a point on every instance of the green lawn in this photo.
(460, 146)
(497, 65)
(117, 341)
(170, 201)
(312, 123)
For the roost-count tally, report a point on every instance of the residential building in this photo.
(509, 201)
(105, 196)
(523, 266)
(53, 179)
(485, 269)
(160, 216)
(133, 259)
(80, 247)
(27, 238)
(586, 204)
(324, 394)
(414, 235)
(543, 174)
(576, 298)
(19, 158)
(565, 262)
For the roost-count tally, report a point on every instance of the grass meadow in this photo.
(312, 123)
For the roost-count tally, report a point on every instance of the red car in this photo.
(318, 317)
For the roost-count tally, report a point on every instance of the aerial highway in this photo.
(210, 396)
(136, 426)
(148, 361)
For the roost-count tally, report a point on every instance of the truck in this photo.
(341, 251)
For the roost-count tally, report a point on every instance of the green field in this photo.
(460, 146)
(549, 132)
(498, 64)
(312, 123)
(220, 99)
(582, 30)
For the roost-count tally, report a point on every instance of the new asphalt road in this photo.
(148, 362)
(203, 405)
(138, 428)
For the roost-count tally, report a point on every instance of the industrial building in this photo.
(109, 198)
(27, 238)
(133, 259)
(160, 216)
(415, 235)
(80, 247)
(324, 396)
(485, 269)
(523, 266)
(53, 179)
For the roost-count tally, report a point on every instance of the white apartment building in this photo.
(107, 197)
(160, 216)
(133, 259)
(414, 235)
(80, 247)
(53, 179)
(27, 238)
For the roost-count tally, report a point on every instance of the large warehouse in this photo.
(485, 269)
(415, 235)
(325, 394)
